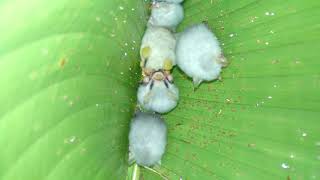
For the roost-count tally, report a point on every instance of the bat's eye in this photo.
(170, 78)
(147, 71)
(146, 80)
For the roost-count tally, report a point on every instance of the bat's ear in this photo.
(131, 158)
(223, 61)
(170, 78)
(196, 83)
(145, 52)
(137, 111)
(167, 64)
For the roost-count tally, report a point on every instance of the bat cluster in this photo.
(196, 51)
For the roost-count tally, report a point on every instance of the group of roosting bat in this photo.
(196, 51)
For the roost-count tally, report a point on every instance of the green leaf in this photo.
(69, 73)
(264, 115)
(68, 77)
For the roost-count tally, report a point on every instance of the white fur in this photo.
(160, 98)
(169, 1)
(147, 139)
(162, 43)
(198, 53)
(168, 15)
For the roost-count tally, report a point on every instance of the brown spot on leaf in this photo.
(251, 145)
(178, 124)
(62, 62)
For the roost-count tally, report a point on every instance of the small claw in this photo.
(147, 98)
(145, 79)
(172, 96)
(131, 158)
(154, 4)
(151, 5)
(205, 22)
(150, 21)
(138, 109)
(223, 61)
(167, 65)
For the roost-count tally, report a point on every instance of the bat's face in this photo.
(157, 92)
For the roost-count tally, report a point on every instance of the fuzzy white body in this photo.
(159, 96)
(162, 44)
(147, 139)
(168, 15)
(199, 54)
